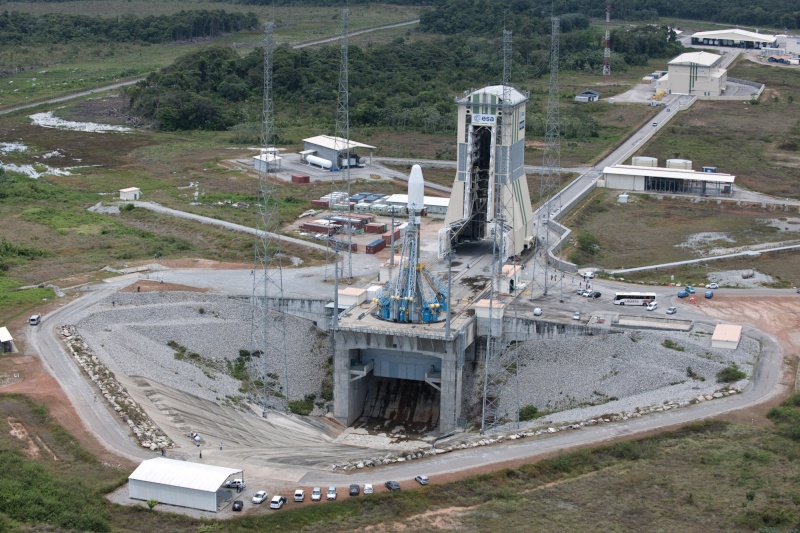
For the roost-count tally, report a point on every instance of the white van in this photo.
(652, 306)
(34, 320)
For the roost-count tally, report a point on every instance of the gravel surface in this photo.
(586, 377)
(130, 336)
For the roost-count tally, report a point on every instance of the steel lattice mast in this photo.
(607, 49)
(549, 197)
(496, 367)
(268, 327)
(342, 142)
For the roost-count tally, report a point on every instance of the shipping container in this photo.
(387, 237)
(376, 246)
(301, 178)
(375, 227)
(321, 203)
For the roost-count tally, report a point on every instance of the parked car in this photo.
(537, 311)
(595, 294)
(331, 493)
(299, 495)
(672, 310)
(689, 289)
(709, 294)
(712, 286)
(392, 485)
(34, 320)
(682, 294)
(355, 490)
(652, 306)
(238, 505)
(368, 489)
(576, 315)
(235, 484)
(422, 479)
(316, 494)
(277, 502)
(580, 292)
(260, 496)
(587, 293)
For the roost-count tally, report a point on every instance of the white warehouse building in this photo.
(181, 483)
(667, 180)
(695, 73)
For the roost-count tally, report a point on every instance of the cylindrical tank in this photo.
(641, 161)
(684, 164)
(416, 189)
(319, 161)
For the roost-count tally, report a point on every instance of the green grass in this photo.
(649, 229)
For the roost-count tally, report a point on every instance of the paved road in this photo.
(45, 341)
(354, 33)
(71, 96)
(223, 224)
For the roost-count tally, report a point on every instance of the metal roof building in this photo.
(181, 483)
(695, 73)
(6, 340)
(433, 204)
(675, 180)
(726, 336)
(333, 153)
(734, 37)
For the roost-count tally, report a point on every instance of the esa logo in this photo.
(484, 119)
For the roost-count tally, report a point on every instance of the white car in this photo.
(260, 496)
(235, 484)
(422, 480)
(652, 306)
(576, 315)
(316, 494)
(277, 502)
(299, 495)
(368, 488)
(331, 493)
(672, 310)
(537, 311)
(712, 286)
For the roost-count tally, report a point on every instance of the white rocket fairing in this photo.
(416, 189)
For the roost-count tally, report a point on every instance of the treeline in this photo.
(489, 16)
(24, 28)
(401, 84)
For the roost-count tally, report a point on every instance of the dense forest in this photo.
(23, 28)
(401, 84)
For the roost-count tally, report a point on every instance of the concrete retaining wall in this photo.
(300, 307)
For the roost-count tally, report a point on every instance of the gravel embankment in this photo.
(586, 377)
(130, 336)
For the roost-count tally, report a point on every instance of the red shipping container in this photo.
(375, 227)
(301, 178)
(387, 237)
(320, 203)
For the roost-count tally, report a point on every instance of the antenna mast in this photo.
(607, 51)
(549, 197)
(268, 331)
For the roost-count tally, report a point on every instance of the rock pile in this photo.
(146, 431)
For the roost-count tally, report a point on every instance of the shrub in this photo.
(151, 504)
(730, 374)
(672, 345)
(528, 412)
(304, 406)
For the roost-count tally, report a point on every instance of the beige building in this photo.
(695, 73)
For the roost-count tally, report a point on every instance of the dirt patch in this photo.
(19, 432)
(113, 109)
(156, 286)
(190, 262)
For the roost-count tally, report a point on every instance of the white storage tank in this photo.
(684, 164)
(319, 161)
(641, 161)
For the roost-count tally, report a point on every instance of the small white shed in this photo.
(726, 336)
(6, 340)
(131, 193)
(181, 483)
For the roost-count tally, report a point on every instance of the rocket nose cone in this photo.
(416, 188)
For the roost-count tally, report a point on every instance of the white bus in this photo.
(634, 298)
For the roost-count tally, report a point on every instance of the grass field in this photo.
(659, 483)
(653, 229)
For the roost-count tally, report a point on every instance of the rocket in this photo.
(416, 193)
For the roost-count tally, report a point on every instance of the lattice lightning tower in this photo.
(497, 366)
(549, 199)
(607, 50)
(268, 331)
(342, 142)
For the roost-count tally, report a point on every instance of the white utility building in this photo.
(433, 204)
(726, 336)
(181, 483)
(694, 73)
(130, 193)
(268, 158)
(668, 180)
(735, 37)
(333, 153)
